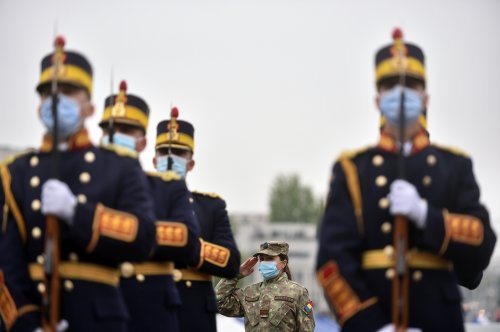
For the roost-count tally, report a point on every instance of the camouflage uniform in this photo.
(278, 304)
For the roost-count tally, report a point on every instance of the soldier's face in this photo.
(78, 94)
(279, 263)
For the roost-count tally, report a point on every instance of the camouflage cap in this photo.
(273, 248)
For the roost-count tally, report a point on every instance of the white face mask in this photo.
(179, 164)
(390, 103)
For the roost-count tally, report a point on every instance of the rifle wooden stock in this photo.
(51, 296)
(401, 281)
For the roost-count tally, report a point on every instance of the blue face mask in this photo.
(68, 115)
(391, 100)
(268, 269)
(179, 165)
(122, 140)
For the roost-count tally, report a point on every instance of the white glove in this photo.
(406, 201)
(392, 328)
(58, 200)
(61, 326)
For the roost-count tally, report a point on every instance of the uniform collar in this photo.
(419, 142)
(78, 141)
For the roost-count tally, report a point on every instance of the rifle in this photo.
(172, 130)
(51, 295)
(400, 284)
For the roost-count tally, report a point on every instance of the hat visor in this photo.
(104, 124)
(173, 146)
(268, 252)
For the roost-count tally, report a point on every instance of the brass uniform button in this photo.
(68, 285)
(417, 275)
(34, 161)
(427, 180)
(389, 251)
(82, 199)
(384, 203)
(431, 160)
(127, 269)
(386, 227)
(40, 259)
(73, 257)
(36, 232)
(377, 160)
(85, 177)
(41, 288)
(177, 275)
(35, 182)
(36, 205)
(89, 157)
(390, 273)
(140, 277)
(191, 200)
(380, 181)
(189, 283)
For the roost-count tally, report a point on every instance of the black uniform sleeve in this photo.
(126, 231)
(462, 233)
(183, 249)
(222, 238)
(339, 262)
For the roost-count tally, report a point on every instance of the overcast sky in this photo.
(271, 86)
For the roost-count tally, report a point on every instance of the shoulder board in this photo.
(166, 176)
(208, 194)
(119, 150)
(350, 154)
(452, 150)
(10, 159)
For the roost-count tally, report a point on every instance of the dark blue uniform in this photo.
(219, 257)
(150, 291)
(356, 257)
(113, 222)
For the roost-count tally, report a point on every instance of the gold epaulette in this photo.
(452, 150)
(165, 176)
(209, 194)
(11, 158)
(350, 154)
(119, 150)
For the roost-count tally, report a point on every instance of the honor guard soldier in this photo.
(219, 255)
(71, 213)
(148, 288)
(403, 225)
(275, 304)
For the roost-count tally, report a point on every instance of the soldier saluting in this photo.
(371, 281)
(275, 304)
(105, 214)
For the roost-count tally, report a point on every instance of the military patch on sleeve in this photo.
(215, 254)
(114, 224)
(308, 307)
(8, 309)
(462, 228)
(173, 234)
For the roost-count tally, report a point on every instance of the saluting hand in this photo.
(246, 268)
